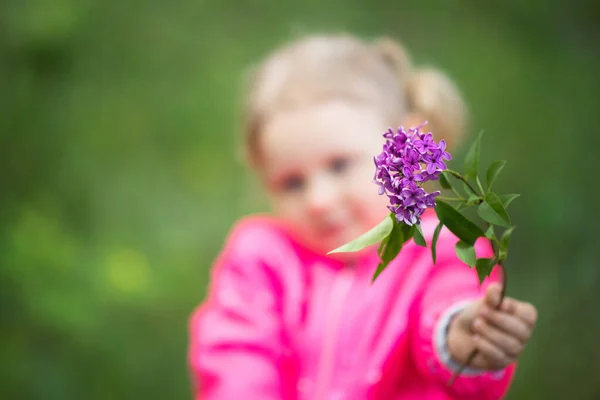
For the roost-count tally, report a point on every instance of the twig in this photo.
(459, 176)
(476, 351)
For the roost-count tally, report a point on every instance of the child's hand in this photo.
(499, 335)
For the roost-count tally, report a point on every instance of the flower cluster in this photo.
(409, 159)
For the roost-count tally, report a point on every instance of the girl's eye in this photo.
(339, 164)
(292, 183)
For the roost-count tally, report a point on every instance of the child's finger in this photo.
(507, 323)
(509, 305)
(508, 344)
(494, 356)
(527, 313)
(492, 294)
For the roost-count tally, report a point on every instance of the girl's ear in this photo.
(415, 118)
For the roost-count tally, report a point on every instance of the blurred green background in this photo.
(119, 178)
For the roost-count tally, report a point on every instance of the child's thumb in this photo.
(492, 295)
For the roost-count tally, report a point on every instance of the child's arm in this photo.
(451, 287)
(236, 342)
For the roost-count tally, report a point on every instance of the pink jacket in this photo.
(282, 322)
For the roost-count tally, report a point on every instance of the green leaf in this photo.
(506, 199)
(492, 211)
(384, 243)
(418, 235)
(489, 233)
(457, 223)
(436, 234)
(408, 232)
(472, 158)
(371, 237)
(484, 267)
(504, 242)
(466, 253)
(473, 200)
(380, 268)
(393, 246)
(493, 171)
(444, 181)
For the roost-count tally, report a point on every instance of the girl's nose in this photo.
(322, 195)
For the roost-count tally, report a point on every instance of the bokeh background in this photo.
(119, 178)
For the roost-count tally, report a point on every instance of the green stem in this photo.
(450, 198)
(502, 295)
(459, 176)
(479, 184)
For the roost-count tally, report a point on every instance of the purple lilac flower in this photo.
(434, 162)
(425, 144)
(408, 160)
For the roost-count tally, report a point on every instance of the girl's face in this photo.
(318, 168)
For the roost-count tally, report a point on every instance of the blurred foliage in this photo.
(119, 178)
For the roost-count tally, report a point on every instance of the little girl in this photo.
(285, 321)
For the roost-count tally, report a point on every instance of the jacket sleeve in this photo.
(451, 286)
(236, 344)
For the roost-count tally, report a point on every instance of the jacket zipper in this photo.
(339, 292)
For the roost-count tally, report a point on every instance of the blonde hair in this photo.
(325, 67)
